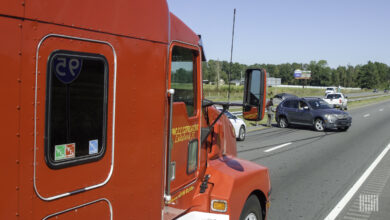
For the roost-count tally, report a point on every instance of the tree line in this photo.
(370, 75)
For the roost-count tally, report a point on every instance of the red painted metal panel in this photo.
(181, 32)
(10, 59)
(147, 19)
(98, 210)
(136, 186)
(12, 7)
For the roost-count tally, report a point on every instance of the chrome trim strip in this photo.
(35, 115)
(167, 196)
(185, 186)
(83, 205)
(182, 42)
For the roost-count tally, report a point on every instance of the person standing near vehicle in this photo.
(270, 113)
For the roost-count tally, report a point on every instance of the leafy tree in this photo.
(368, 76)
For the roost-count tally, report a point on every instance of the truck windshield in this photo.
(319, 104)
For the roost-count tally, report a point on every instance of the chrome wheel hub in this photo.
(251, 216)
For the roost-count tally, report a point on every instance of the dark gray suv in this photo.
(314, 112)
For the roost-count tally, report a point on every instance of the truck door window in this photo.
(183, 75)
(76, 108)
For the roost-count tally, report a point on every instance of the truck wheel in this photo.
(319, 125)
(241, 134)
(282, 123)
(252, 209)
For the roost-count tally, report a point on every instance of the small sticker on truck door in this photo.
(65, 151)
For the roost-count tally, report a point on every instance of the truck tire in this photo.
(252, 209)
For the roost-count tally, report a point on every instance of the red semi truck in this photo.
(104, 118)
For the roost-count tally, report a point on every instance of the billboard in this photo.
(302, 74)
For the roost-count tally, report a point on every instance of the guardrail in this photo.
(313, 87)
(239, 113)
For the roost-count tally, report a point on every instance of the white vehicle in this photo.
(337, 100)
(330, 90)
(238, 124)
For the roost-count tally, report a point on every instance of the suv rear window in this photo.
(334, 96)
(319, 104)
(291, 104)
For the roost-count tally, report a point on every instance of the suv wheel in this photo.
(283, 122)
(319, 125)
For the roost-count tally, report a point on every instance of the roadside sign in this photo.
(297, 73)
(67, 69)
(302, 74)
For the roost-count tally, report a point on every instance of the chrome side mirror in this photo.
(254, 94)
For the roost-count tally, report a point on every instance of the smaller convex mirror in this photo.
(254, 94)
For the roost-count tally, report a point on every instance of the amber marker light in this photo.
(219, 205)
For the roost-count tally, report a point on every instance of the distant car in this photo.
(314, 112)
(238, 124)
(386, 91)
(337, 100)
(283, 96)
(375, 90)
(330, 90)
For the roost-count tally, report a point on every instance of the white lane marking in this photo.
(277, 147)
(343, 202)
(381, 110)
(366, 115)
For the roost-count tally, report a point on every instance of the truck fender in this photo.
(234, 180)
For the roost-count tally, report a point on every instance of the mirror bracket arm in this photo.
(225, 106)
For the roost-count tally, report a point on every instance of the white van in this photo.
(330, 90)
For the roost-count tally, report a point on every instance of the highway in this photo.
(312, 171)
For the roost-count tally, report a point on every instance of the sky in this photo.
(343, 32)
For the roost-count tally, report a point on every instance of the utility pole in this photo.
(231, 54)
(217, 68)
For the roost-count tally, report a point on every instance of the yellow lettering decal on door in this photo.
(182, 193)
(184, 133)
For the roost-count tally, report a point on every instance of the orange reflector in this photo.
(219, 205)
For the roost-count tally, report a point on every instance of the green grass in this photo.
(351, 105)
(211, 92)
(236, 92)
(356, 104)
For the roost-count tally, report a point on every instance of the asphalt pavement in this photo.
(311, 172)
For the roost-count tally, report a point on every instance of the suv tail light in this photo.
(340, 101)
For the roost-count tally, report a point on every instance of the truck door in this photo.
(75, 152)
(184, 78)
